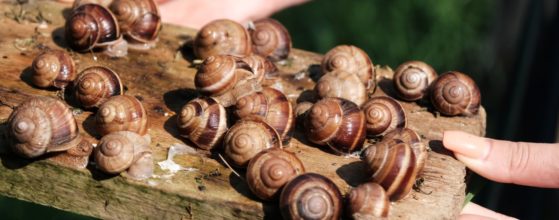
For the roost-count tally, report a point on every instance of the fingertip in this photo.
(468, 145)
(474, 217)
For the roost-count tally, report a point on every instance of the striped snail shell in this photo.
(123, 150)
(342, 84)
(248, 137)
(203, 121)
(90, 26)
(339, 123)
(412, 80)
(383, 114)
(311, 196)
(263, 69)
(53, 68)
(40, 125)
(271, 106)
(391, 163)
(455, 93)
(270, 39)
(270, 170)
(350, 59)
(413, 139)
(368, 201)
(121, 113)
(222, 36)
(139, 21)
(95, 85)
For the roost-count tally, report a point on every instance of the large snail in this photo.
(203, 121)
(40, 125)
(270, 39)
(350, 59)
(53, 68)
(368, 201)
(455, 93)
(412, 80)
(413, 139)
(222, 37)
(139, 22)
(383, 114)
(342, 84)
(95, 85)
(121, 113)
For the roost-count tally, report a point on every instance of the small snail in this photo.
(124, 150)
(413, 139)
(248, 137)
(391, 163)
(270, 39)
(271, 106)
(342, 84)
(339, 123)
(77, 3)
(53, 68)
(121, 113)
(368, 201)
(40, 125)
(265, 70)
(350, 59)
(222, 36)
(203, 121)
(412, 80)
(311, 196)
(139, 22)
(455, 93)
(95, 85)
(270, 170)
(383, 114)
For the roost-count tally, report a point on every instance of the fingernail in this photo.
(467, 145)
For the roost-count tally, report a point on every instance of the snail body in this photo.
(203, 121)
(339, 123)
(342, 84)
(383, 114)
(269, 170)
(121, 113)
(95, 85)
(350, 59)
(368, 201)
(139, 21)
(270, 39)
(40, 125)
(248, 137)
(455, 93)
(222, 37)
(412, 80)
(124, 150)
(413, 139)
(53, 68)
(311, 196)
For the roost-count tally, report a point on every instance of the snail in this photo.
(94, 26)
(203, 121)
(270, 170)
(222, 37)
(368, 201)
(40, 125)
(342, 84)
(383, 114)
(270, 39)
(391, 163)
(350, 59)
(455, 93)
(124, 150)
(95, 85)
(339, 123)
(412, 80)
(121, 113)
(226, 79)
(53, 68)
(77, 3)
(413, 139)
(311, 196)
(265, 70)
(248, 137)
(139, 21)
(271, 106)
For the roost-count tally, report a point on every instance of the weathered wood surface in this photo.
(162, 78)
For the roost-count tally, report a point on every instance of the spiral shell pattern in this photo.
(270, 39)
(222, 37)
(139, 20)
(350, 59)
(412, 80)
(95, 85)
(413, 139)
(455, 93)
(53, 68)
(383, 114)
(368, 201)
(342, 84)
(203, 121)
(115, 152)
(121, 113)
(248, 137)
(89, 26)
(219, 74)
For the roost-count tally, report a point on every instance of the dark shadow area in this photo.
(308, 95)
(315, 72)
(170, 126)
(187, 50)
(58, 37)
(299, 134)
(240, 185)
(66, 12)
(438, 147)
(176, 99)
(12, 161)
(387, 86)
(353, 173)
(271, 210)
(97, 174)
(89, 126)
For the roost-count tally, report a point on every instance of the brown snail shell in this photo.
(248, 137)
(263, 69)
(53, 68)
(121, 113)
(311, 196)
(412, 80)
(139, 20)
(455, 93)
(368, 201)
(391, 163)
(270, 170)
(90, 26)
(271, 106)
(339, 123)
(383, 114)
(270, 39)
(95, 85)
(413, 139)
(342, 84)
(122, 150)
(203, 121)
(222, 36)
(40, 125)
(350, 59)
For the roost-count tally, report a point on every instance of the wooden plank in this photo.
(162, 79)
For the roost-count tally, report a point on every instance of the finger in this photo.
(474, 211)
(530, 164)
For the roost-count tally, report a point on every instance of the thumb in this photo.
(531, 164)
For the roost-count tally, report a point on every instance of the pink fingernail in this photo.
(468, 145)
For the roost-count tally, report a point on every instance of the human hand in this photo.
(529, 164)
